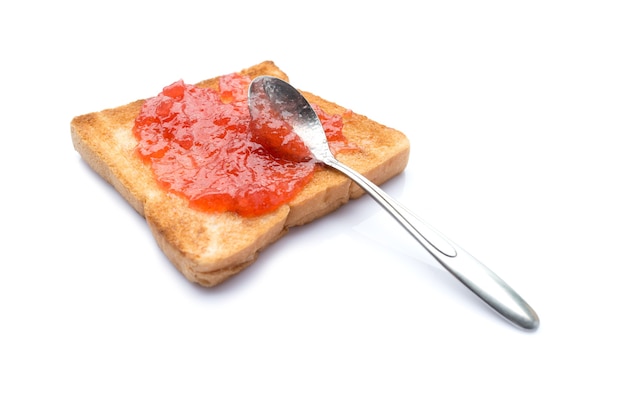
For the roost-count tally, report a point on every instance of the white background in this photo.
(516, 116)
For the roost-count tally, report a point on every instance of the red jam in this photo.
(199, 144)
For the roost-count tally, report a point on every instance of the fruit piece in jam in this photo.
(201, 145)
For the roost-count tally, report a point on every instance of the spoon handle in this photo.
(472, 273)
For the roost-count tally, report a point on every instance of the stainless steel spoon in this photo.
(296, 111)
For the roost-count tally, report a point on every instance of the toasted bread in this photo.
(210, 247)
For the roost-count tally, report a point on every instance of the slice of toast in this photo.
(210, 247)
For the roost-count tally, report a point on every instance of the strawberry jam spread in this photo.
(201, 145)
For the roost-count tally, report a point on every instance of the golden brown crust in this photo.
(209, 248)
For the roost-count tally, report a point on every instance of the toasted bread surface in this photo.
(210, 247)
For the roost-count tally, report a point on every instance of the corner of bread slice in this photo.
(208, 248)
(384, 151)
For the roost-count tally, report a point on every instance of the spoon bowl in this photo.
(290, 105)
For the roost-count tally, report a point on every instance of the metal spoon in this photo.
(296, 111)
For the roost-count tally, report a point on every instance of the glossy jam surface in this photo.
(201, 145)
